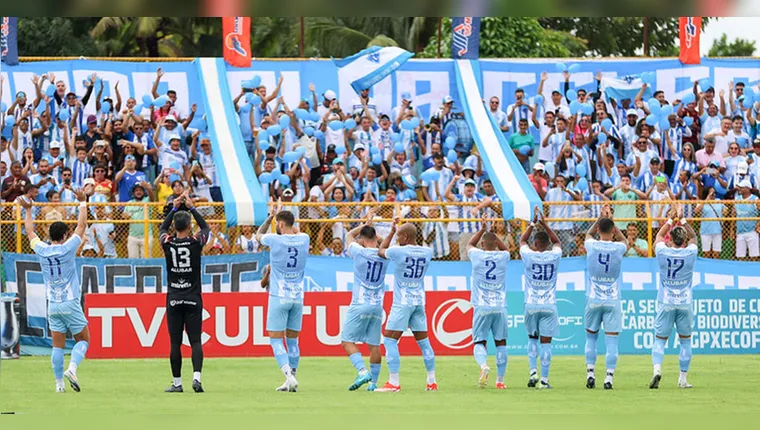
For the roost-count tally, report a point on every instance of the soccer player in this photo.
(604, 259)
(541, 262)
(489, 298)
(410, 262)
(288, 250)
(364, 320)
(63, 289)
(676, 257)
(184, 304)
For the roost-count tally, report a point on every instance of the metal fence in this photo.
(445, 227)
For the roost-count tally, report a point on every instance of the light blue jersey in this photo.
(59, 270)
(287, 259)
(411, 263)
(369, 275)
(676, 274)
(603, 266)
(541, 270)
(489, 277)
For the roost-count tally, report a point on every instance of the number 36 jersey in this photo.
(541, 270)
(287, 261)
(411, 264)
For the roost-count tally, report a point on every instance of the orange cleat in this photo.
(431, 387)
(389, 388)
(500, 386)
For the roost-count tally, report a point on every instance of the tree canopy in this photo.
(738, 48)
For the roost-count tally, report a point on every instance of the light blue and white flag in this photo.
(372, 65)
(625, 87)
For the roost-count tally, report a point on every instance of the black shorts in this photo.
(184, 314)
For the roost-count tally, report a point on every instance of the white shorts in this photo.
(746, 241)
(712, 242)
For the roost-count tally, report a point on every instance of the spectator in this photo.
(172, 155)
(547, 129)
(746, 231)
(673, 143)
(52, 212)
(43, 180)
(753, 158)
(738, 135)
(141, 192)
(103, 185)
(742, 173)
(100, 154)
(711, 178)
(566, 162)
(539, 179)
(624, 193)
(582, 149)
(711, 232)
(218, 242)
(101, 238)
(659, 191)
(564, 229)
(639, 157)
(246, 243)
(685, 189)
(556, 140)
(399, 112)
(81, 168)
(691, 111)
(364, 105)
(595, 199)
(733, 159)
(444, 114)
(435, 233)
(628, 132)
(399, 163)
(520, 139)
(498, 115)
(55, 159)
(127, 177)
(92, 134)
(467, 229)
(555, 103)
(140, 136)
(687, 161)
(650, 177)
(404, 186)
(179, 191)
(431, 189)
(3, 171)
(369, 182)
(637, 247)
(29, 166)
(518, 111)
(607, 172)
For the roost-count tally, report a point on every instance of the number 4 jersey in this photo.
(411, 263)
(603, 264)
(676, 273)
(287, 259)
(541, 270)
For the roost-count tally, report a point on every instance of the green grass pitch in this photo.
(728, 384)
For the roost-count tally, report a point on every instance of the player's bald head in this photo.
(408, 233)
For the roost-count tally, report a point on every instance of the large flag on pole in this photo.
(237, 40)
(689, 31)
(372, 65)
(9, 40)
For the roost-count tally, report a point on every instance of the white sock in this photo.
(500, 379)
(544, 380)
(177, 382)
(59, 383)
(590, 371)
(533, 373)
(197, 376)
(73, 367)
(286, 369)
(657, 369)
(431, 377)
(484, 365)
(393, 379)
(610, 374)
(682, 376)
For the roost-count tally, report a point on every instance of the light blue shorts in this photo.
(487, 320)
(284, 314)
(406, 316)
(66, 315)
(608, 314)
(364, 323)
(667, 316)
(542, 320)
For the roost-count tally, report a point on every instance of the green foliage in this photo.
(57, 37)
(738, 48)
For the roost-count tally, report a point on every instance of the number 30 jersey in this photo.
(541, 270)
(287, 261)
(489, 277)
(604, 261)
(183, 264)
(676, 273)
(411, 263)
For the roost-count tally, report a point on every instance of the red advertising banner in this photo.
(690, 29)
(133, 325)
(236, 31)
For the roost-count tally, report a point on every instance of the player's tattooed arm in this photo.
(387, 241)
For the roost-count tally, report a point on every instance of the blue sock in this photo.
(501, 362)
(356, 360)
(480, 354)
(546, 359)
(612, 352)
(392, 356)
(374, 371)
(428, 356)
(684, 358)
(57, 360)
(658, 350)
(279, 351)
(78, 353)
(591, 348)
(532, 352)
(294, 353)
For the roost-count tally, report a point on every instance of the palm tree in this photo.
(341, 37)
(159, 36)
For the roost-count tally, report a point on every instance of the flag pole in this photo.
(440, 23)
(646, 36)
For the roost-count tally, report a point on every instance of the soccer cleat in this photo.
(197, 387)
(389, 388)
(608, 385)
(500, 386)
(283, 387)
(483, 379)
(292, 383)
(372, 386)
(544, 386)
(431, 387)
(60, 390)
(684, 384)
(360, 380)
(532, 381)
(72, 378)
(591, 382)
(655, 382)
(174, 389)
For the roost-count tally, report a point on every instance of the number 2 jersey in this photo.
(287, 260)
(541, 268)
(411, 263)
(183, 264)
(604, 262)
(369, 275)
(676, 273)
(489, 277)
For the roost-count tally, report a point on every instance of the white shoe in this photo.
(483, 379)
(683, 383)
(60, 390)
(72, 378)
(292, 383)
(283, 387)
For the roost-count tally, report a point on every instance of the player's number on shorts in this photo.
(414, 267)
(55, 266)
(604, 260)
(180, 257)
(374, 270)
(292, 257)
(542, 272)
(674, 266)
(490, 266)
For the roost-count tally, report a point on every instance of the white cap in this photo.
(329, 95)
(742, 167)
(630, 112)
(316, 191)
(447, 99)
(359, 146)
(744, 183)
(170, 118)
(100, 143)
(287, 192)
(56, 144)
(538, 166)
(88, 181)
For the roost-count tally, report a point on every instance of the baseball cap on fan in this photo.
(329, 95)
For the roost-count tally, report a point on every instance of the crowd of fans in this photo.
(577, 147)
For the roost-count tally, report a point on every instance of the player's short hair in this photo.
(57, 231)
(489, 240)
(368, 232)
(182, 221)
(606, 225)
(678, 236)
(541, 238)
(286, 217)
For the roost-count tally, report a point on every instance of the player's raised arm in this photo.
(166, 225)
(387, 241)
(354, 233)
(664, 230)
(528, 231)
(687, 225)
(477, 236)
(552, 236)
(82, 220)
(595, 227)
(28, 221)
(202, 224)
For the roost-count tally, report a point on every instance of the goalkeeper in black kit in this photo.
(184, 304)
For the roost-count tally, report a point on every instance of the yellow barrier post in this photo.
(146, 229)
(649, 228)
(19, 223)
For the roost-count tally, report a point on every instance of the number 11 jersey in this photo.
(287, 260)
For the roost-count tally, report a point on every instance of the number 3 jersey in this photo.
(603, 265)
(287, 260)
(411, 263)
(369, 275)
(541, 268)
(676, 273)
(489, 277)
(183, 264)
